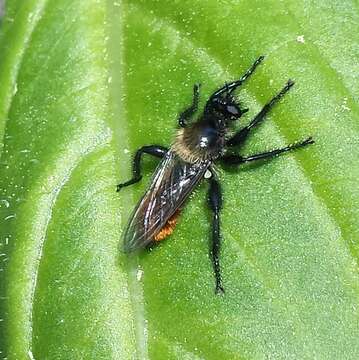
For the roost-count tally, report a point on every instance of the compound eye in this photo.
(233, 110)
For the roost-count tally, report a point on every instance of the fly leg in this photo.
(186, 115)
(154, 150)
(237, 159)
(242, 134)
(215, 204)
(229, 88)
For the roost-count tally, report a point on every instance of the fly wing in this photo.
(171, 184)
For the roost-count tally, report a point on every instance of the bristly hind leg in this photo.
(215, 204)
(154, 150)
(235, 84)
(187, 114)
(242, 134)
(237, 159)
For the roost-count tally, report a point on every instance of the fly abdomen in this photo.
(168, 228)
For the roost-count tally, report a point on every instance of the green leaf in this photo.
(83, 84)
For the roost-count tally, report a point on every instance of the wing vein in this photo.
(173, 180)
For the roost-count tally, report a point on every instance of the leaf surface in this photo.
(83, 84)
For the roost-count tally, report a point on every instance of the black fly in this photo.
(196, 147)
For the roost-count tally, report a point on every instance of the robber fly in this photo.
(196, 147)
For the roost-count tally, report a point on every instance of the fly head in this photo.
(221, 109)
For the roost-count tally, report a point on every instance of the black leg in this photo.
(188, 113)
(154, 150)
(241, 135)
(215, 203)
(237, 159)
(229, 88)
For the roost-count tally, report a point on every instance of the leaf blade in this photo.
(99, 79)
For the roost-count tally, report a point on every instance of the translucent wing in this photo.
(171, 184)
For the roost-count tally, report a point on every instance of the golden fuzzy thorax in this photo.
(186, 146)
(181, 148)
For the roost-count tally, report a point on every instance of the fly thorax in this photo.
(198, 142)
